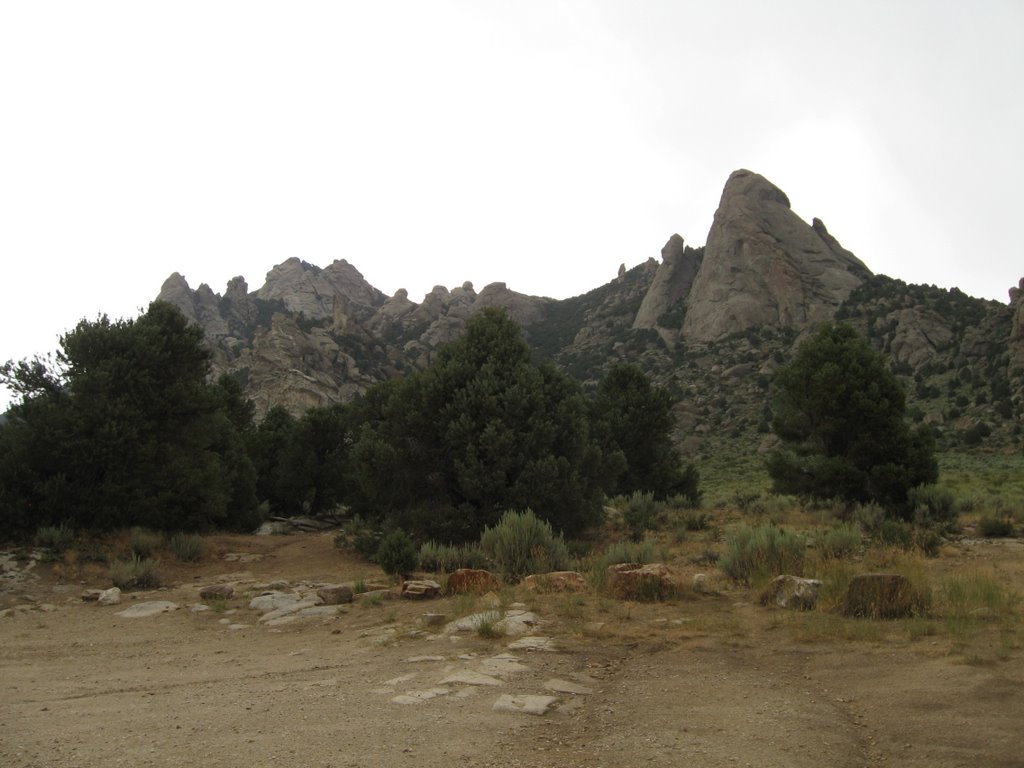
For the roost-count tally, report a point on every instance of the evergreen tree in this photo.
(634, 418)
(482, 430)
(840, 414)
(124, 430)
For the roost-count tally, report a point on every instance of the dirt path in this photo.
(645, 685)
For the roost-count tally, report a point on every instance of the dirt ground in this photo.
(704, 681)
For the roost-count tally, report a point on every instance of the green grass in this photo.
(187, 547)
(136, 573)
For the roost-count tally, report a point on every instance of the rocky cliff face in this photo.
(311, 336)
(763, 265)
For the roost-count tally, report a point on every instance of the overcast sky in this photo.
(537, 143)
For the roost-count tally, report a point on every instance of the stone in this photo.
(110, 596)
(290, 609)
(147, 609)
(534, 643)
(567, 686)
(671, 284)
(527, 705)
(557, 581)
(881, 596)
(763, 265)
(273, 600)
(92, 595)
(502, 665)
(472, 580)
(472, 622)
(701, 584)
(420, 589)
(335, 594)
(791, 592)
(635, 581)
(217, 592)
(418, 697)
(469, 677)
(434, 619)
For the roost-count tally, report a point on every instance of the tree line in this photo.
(125, 428)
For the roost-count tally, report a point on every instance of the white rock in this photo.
(534, 643)
(469, 677)
(151, 608)
(528, 705)
(567, 686)
(110, 596)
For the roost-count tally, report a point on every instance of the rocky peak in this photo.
(312, 291)
(1017, 329)
(764, 265)
(672, 282)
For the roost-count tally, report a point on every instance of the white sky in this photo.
(536, 143)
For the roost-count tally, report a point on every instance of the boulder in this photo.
(110, 596)
(881, 596)
(526, 704)
(556, 581)
(472, 580)
(151, 608)
(335, 594)
(791, 592)
(420, 589)
(634, 581)
(217, 592)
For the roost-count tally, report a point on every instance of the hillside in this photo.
(712, 323)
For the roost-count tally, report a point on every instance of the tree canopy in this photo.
(125, 429)
(481, 431)
(840, 414)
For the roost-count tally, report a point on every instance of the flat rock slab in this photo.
(534, 643)
(567, 686)
(151, 608)
(527, 705)
(421, 659)
(291, 608)
(504, 664)
(273, 601)
(418, 697)
(469, 677)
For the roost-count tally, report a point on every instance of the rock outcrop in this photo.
(763, 265)
(1016, 357)
(672, 282)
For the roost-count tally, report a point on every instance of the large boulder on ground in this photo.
(217, 592)
(556, 581)
(472, 580)
(420, 589)
(335, 594)
(881, 596)
(635, 581)
(791, 592)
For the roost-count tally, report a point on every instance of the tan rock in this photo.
(763, 265)
(633, 581)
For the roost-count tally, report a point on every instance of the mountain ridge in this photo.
(712, 323)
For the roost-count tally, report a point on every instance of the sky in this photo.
(540, 144)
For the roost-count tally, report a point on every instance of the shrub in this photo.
(621, 552)
(868, 516)
(640, 513)
(840, 541)
(136, 573)
(441, 558)
(359, 535)
(697, 521)
(144, 543)
(397, 553)
(521, 544)
(762, 552)
(993, 527)
(893, 533)
(187, 547)
(933, 505)
(55, 537)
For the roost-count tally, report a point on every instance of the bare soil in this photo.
(702, 681)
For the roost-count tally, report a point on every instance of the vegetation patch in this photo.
(757, 554)
(135, 573)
